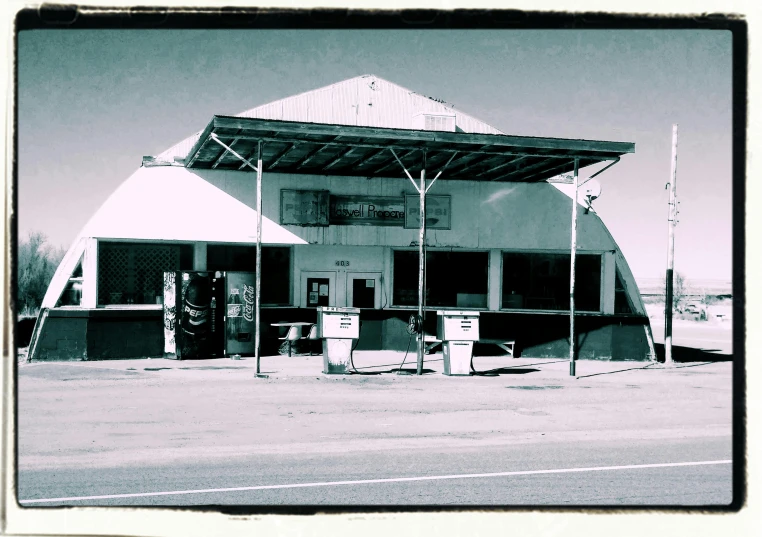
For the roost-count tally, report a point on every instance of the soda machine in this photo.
(239, 312)
(192, 324)
(208, 314)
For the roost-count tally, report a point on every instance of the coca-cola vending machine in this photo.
(239, 313)
(193, 323)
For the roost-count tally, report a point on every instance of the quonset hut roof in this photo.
(365, 101)
(367, 127)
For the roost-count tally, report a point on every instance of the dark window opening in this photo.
(133, 273)
(276, 268)
(453, 279)
(72, 294)
(621, 299)
(542, 281)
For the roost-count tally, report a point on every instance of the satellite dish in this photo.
(591, 189)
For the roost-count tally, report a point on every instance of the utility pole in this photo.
(672, 219)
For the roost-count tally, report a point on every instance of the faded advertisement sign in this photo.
(304, 207)
(438, 212)
(367, 211)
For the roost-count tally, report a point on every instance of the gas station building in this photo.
(341, 169)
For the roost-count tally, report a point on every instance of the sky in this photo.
(92, 103)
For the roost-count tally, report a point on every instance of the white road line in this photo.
(372, 481)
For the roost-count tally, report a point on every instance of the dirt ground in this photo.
(93, 414)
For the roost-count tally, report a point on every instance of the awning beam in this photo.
(501, 166)
(223, 154)
(292, 130)
(281, 155)
(532, 152)
(406, 172)
(339, 157)
(245, 161)
(440, 172)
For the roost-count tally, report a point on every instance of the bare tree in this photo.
(36, 264)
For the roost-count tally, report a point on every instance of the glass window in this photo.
(276, 268)
(541, 281)
(133, 273)
(453, 279)
(231, 257)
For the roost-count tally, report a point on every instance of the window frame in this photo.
(599, 253)
(289, 247)
(132, 242)
(392, 305)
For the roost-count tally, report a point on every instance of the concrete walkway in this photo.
(386, 364)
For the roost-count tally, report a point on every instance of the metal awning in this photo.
(346, 150)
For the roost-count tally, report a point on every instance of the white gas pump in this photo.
(457, 330)
(338, 328)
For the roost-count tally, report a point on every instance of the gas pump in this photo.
(457, 330)
(338, 328)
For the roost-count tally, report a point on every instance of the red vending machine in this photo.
(239, 313)
(193, 326)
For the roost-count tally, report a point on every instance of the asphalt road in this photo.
(609, 485)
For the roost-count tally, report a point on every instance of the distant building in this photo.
(340, 212)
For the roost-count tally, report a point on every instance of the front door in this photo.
(364, 290)
(318, 289)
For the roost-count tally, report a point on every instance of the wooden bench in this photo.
(431, 342)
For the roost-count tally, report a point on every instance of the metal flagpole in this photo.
(421, 261)
(670, 252)
(572, 338)
(259, 254)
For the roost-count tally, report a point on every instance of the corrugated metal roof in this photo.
(365, 100)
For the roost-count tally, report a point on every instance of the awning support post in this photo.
(258, 283)
(572, 335)
(421, 263)
(421, 188)
(669, 291)
(258, 276)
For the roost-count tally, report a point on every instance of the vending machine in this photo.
(208, 314)
(239, 313)
(193, 327)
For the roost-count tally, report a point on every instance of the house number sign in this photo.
(342, 263)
